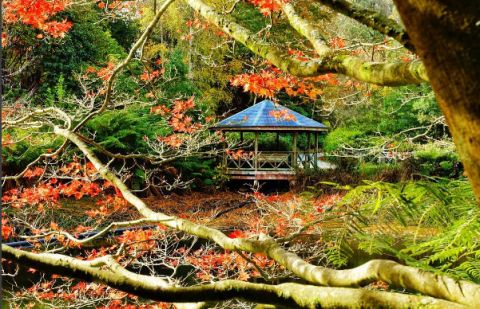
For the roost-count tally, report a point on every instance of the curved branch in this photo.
(106, 270)
(396, 274)
(89, 240)
(106, 174)
(389, 74)
(372, 19)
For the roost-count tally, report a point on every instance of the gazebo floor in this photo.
(286, 174)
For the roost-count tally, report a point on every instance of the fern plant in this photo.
(432, 224)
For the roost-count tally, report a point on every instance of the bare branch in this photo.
(41, 112)
(99, 234)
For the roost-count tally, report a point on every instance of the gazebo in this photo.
(267, 117)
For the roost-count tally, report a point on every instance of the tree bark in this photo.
(446, 35)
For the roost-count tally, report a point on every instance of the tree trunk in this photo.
(446, 35)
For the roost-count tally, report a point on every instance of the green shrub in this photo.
(17, 156)
(372, 170)
(437, 160)
(341, 136)
(124, 130)
(201, 171)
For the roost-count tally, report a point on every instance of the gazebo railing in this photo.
(272, 161)
(239, 162)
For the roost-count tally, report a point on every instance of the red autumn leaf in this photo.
(32, 270)
(173, 140)
(7, 230)
(266, 7)
(237, 234)
(38, 14)
(269, 82)
(283, 114)
(337, 42)
(54, 226)
(32, 173)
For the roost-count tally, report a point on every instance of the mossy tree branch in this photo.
(390, 74)
(305, 28)
(106, 270)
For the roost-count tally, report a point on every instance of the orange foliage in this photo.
(38, 14)
(149, 76)
(271, 81)
(7, 230)
(32, 173)
(4, 39)
(325, 201)
(178, 120)
(337, 42)
(51, 190)
(223, 265)
(237, 234)
(139, 240)
(240, 154)
(266, 7)
(161, 110)
(7, 140)
(174, 140)
(106, 72)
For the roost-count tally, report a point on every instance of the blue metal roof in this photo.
(267, 115)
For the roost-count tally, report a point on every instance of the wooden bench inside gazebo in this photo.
(258, 163)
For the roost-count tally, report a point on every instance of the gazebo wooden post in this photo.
(224, 147)
(278, 140)
(308, 152)
(316, 151)
(241, 137)
(256, 151)
(294, 159)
